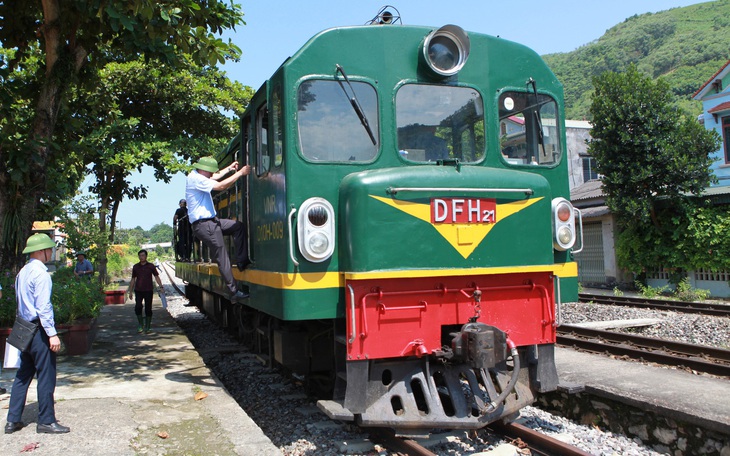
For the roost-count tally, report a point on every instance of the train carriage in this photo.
(408, 225)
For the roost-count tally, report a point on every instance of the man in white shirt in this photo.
(205, 178)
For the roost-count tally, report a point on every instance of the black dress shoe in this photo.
(12, 427)
(53, 428)
(243, 265)
(239, 296)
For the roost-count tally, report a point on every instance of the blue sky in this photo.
(275, 29)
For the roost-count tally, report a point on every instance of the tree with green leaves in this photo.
(160, 233)
(651, 157)
(155, 115)
(79, 221)
(645, 149)
(51, 46)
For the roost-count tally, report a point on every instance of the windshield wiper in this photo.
(538, 119)
(356, 104)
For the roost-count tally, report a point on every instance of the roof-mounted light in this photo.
(445, 50)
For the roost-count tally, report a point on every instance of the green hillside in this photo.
(685, 46)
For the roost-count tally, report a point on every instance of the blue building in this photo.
(715, 98)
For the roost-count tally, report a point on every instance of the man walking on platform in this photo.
(210, 229)
(33, 295)
(143, 287)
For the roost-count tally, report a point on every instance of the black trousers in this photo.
(146, 297)
(38, 359)
(184, 241)
(211, 232)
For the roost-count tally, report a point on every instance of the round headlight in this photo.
(565, 235)
(564, 212)
(317, 215)
(318, 243)
(446, 50)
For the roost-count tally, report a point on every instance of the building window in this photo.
(726, 137)
(589, 168)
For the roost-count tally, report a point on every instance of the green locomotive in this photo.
(408, 225)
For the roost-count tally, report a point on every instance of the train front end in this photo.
(440, 194)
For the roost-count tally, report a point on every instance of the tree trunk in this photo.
(102, 259)
(18, 204)
(16, 220)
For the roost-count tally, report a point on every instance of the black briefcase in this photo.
(22, 334)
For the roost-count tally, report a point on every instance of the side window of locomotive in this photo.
(529, 129)
(439, 123)
(278, 125)
(262, 141)
(330, 128)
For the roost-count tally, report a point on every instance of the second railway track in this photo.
(700, 358)
(703, 308)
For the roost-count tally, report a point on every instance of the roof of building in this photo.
(589, 190)
(578, 124)
(702, 90)
(712, 191)
(596, 211)
(721, 107)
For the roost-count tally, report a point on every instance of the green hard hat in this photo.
(207, 164)
(38, 241)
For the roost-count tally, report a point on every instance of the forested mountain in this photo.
(685, 46)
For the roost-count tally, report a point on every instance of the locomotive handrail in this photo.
(394, 190)
(580, 225)
(352, 315)
(291, 237)
(558, 301)
(422, 305)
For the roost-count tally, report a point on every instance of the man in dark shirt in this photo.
(141, 283)
(181, 222)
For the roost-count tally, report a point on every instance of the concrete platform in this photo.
(130, 390)
(696, 399)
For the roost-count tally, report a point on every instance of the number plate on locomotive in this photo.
(463, 210)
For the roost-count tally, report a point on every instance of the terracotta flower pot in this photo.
(114, 297)
(78, 337)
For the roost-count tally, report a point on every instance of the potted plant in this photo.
(76, 304)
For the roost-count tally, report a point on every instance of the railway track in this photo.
(703, 308)
(521, 436)
(700, 358)
(537, 442)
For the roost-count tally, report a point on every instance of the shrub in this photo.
(685, 292)
(648, 291)
(74, 299)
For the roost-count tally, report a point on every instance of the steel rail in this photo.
(403, 445)
(537, 441)
(711, 360)
(704, 308)
(165, 267)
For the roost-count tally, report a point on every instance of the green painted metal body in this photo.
(371, 234)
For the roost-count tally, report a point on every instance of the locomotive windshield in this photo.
(329, 129)
(440, 123)
(529, 132)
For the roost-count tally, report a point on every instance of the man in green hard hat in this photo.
(33, 295)
(201, 181)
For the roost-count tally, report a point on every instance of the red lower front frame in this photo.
(396, 317)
